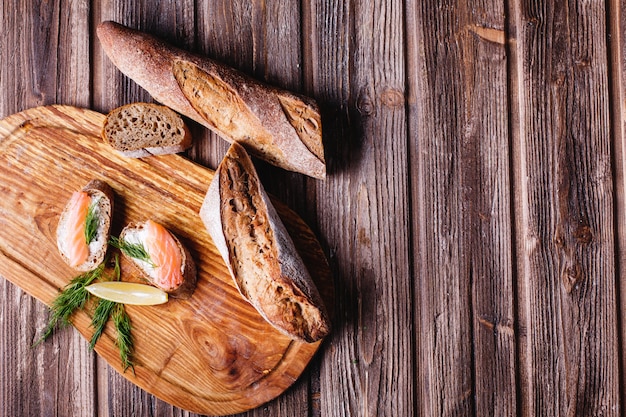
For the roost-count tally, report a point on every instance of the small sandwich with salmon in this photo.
(84, 226)
(160, 257)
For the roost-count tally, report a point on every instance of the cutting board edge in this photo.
(31, 117)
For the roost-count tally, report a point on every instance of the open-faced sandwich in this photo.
(160, 256)
(84, 226)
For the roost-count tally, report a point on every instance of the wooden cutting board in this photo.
(211, 354)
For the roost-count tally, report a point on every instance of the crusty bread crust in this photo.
(278, 126)
(137, 130)
(95, 189)
(259, 252)
(188, 266)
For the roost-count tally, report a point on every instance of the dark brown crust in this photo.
(150, 62)
(264, 263)
(222, 107)
(187, 287)
(104, 188)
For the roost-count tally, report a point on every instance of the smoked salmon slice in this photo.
(75, 245)
(164, 254)
(160, 257)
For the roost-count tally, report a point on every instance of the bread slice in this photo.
(137, 234)
(273, 124)
(143, 129)
(258, 251)
(101, 198)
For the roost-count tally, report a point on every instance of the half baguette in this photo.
(102, 199)
(136, 234)
(273, 124)
(137, 130)
(256, 247)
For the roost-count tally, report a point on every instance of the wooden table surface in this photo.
(473, 213)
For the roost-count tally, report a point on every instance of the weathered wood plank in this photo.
(566, 250)
(44, 53)
(617, 30)
(461, 203)
(355, 67)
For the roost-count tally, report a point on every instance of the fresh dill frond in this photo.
(99, 320)
(134, 250)
(117, 270)
(91, 223)
(103, 310)
(124, 336)
(73, 297)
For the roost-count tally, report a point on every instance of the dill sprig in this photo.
(91, 223)
(124, 337)
(99, 320)
(134, 250)
(103, 310)
(73, 297)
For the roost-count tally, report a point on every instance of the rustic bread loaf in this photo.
(258, 251)
(142, 129)
(178, 279)
(273, 124)
(101, 201)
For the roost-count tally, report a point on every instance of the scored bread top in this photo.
(100, 194)
(143, 129)
(271, 124)
(254, 243)
(228, 102)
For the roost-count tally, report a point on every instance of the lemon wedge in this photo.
(128, 293)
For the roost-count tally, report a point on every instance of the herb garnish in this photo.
(99, 320)
(124, 339)
(134, 250)
(91, 223)
(103, 310)
(73, 297)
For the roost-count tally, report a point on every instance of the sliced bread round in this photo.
(143, 129)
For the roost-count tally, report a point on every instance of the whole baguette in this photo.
(256, 247)
(130, 234)
(101, 192)
(273, 124)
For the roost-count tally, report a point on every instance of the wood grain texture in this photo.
(473, 211)
(35, 76)
(566, 259)
(200, 354)
(617, 77)
(363, 204)
(462, 231)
